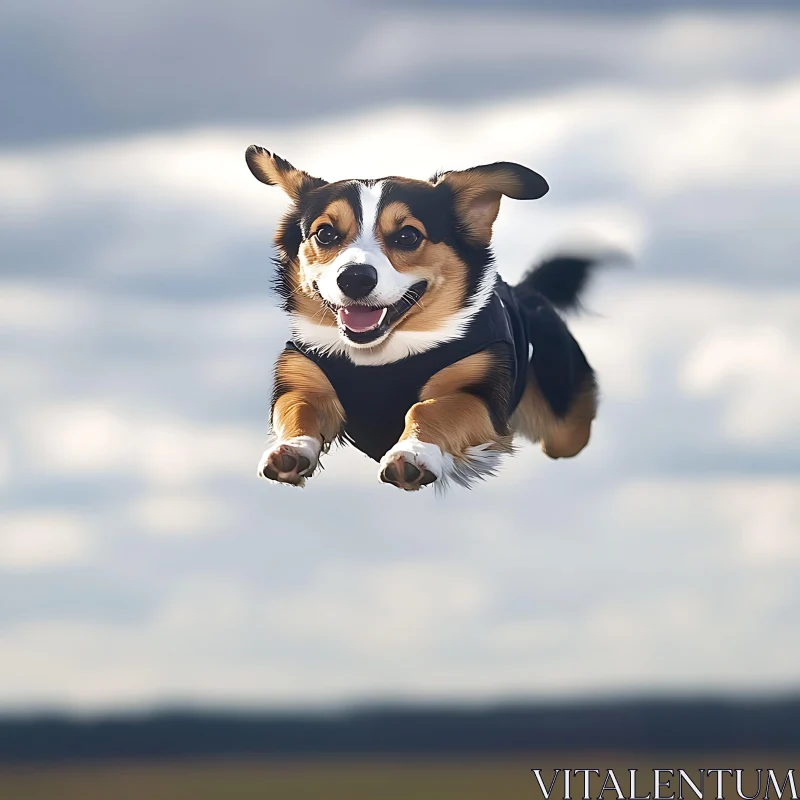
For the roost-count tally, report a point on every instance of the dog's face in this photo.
(378, 270)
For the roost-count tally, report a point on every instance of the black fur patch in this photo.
(287, 242)
(560, 279)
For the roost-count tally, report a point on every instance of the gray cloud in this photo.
(90, 69)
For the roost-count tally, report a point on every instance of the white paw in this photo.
(290, 461)
(412, 464)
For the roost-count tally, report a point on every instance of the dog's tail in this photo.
(561, 279)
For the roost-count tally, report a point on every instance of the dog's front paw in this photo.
(411, 464)
(290, 461)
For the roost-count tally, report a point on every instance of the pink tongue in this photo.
(359, 319)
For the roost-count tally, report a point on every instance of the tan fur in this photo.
(560, 438)
(479, 179)
(270, 171)
(310, 407)
(477, 197)
(470, 371)
(446, 274)
(451, 418)
(339, 214)
(314, 309)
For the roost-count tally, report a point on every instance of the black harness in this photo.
(376, 398)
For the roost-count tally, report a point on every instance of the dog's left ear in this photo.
(273, 170)
(477, 193)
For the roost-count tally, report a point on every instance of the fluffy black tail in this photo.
(560, 279)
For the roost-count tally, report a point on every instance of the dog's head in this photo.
(381, 269)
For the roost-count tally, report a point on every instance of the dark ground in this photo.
(359, 779)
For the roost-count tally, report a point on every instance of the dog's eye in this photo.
(407, 238)
(326, 234)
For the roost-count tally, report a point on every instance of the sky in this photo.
(143, 564)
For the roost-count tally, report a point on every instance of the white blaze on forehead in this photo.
(366, 248)
(370, 197)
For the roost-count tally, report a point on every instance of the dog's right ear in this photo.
(275, 171)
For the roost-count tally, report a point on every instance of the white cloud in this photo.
(38, 538)
(5, 461)
(93, 438)
(768, 517)
(756, 372)
(25, 307)
(385, 612)
(152, 170)
(178, 513)
(732, 135)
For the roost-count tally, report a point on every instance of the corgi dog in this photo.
(405, 342)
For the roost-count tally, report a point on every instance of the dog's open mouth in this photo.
(365, 324)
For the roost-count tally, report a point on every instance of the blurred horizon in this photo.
(700, 726)
(142, 564)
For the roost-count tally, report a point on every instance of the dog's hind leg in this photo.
(561, 436)
(560, 399)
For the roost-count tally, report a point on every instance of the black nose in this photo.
(357, 280)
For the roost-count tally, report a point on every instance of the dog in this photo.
(405, 342)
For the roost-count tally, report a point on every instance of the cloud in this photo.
(388, 54)
(386, 612)
(179, 513)
(629, 595)
(769, 528)
(5, 461)
(138, 338)
(40, 539)
(730, 134)
(91, 438)
(757, 371)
